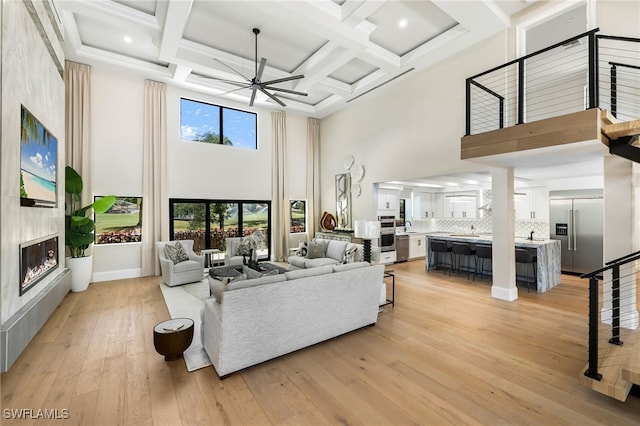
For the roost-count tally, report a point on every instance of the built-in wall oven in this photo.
(387, 233)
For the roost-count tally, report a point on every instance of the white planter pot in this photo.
(81, 269)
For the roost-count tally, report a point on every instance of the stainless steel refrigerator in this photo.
(577, 223)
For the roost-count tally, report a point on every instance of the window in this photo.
(298, 216)
(202, 122)
(209, 222)
(122, 223)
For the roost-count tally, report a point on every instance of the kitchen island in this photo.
(548, 252)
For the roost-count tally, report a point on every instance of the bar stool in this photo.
(463, 251)
(525, 257)
(483, 251)
(437, 247)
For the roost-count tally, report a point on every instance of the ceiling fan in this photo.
(255, 84)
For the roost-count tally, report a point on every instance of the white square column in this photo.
(503, 213)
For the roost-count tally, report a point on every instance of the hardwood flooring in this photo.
(447, 353)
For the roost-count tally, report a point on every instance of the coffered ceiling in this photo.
(344, 48)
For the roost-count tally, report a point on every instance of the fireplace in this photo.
(38, 258)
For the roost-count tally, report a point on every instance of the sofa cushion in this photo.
(176, 253)
(297, 261)
(250, 272)
(336, 249)
(349, 266)
(186, 266)
(316, 263)
(311, 272)
(268, 279)
(316, 249)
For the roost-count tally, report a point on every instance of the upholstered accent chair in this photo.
(182, 270)
(231, 256)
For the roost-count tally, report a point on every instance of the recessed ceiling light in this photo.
(402, 23)
(128, 39)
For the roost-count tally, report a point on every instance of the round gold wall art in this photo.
(328, 221)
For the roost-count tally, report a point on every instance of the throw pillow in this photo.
(303, 249)
(245, 247)
(176, 253)
(251, 273)
(350, 254)
(316, 249)
(240, 277)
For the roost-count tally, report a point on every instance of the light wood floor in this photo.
(446, 354)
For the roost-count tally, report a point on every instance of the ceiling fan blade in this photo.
(282, 80)
(253, 95)
(263, 62)
(272, 97)
(233, 90)
(231, 68)
(277, 89)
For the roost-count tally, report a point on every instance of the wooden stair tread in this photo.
(618, 130)
(631, 366)
(610, 365)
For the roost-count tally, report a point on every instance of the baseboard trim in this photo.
(508, 294)
(17, 331)
(116, 275)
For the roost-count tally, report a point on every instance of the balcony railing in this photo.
(582, 72)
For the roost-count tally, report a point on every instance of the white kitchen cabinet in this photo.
(532, 203)
(460, 205)
(431, 205)
(417, 246)
(388, 202)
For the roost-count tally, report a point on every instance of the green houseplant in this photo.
(80, 228)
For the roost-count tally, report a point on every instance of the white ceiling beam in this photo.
(110, 58)
(174, 24)
(324, 62)
(355, 13)
(180, 72)
(115, 14)
(72, 35)
(481, 17)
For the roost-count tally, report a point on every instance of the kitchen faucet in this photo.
(531, 236)
(405, 225)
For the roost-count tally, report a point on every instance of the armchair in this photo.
(184, 272)
(230, 256)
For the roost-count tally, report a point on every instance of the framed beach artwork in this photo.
(38, 162)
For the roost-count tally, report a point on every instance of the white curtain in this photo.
(313, 175)
(154, 171)
(77, 80)
(280, 204)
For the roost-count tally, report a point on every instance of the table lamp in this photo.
(367, 230)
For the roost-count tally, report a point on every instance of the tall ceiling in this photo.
(344, 48)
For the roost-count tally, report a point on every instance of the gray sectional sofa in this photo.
(251, 321)
(331, 252)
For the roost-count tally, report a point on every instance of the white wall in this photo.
(195, 170)
(30, 78)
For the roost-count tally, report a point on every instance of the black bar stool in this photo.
(463, 251)
(483, 252)
(437, 247)
(525, 257)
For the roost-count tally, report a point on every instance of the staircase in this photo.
(614, 343)
(623, 136)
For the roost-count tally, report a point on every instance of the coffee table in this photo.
(172, 337)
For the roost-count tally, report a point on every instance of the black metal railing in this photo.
(570, 76)
(619, 293)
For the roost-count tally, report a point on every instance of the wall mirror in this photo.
(343, 201)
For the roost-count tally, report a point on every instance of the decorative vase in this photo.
(81, 269)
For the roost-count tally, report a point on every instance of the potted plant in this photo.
(79, 229)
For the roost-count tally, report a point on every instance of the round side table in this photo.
(172, 337)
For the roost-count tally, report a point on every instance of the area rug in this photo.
(186, 301)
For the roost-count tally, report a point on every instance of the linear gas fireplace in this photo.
(38, 258)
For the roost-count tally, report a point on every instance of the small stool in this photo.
(437, 247)
(483, 252)
(172, 337)
(525, 257)
(208, 258)
(464, 251)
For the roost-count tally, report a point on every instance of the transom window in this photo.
(208, 123)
